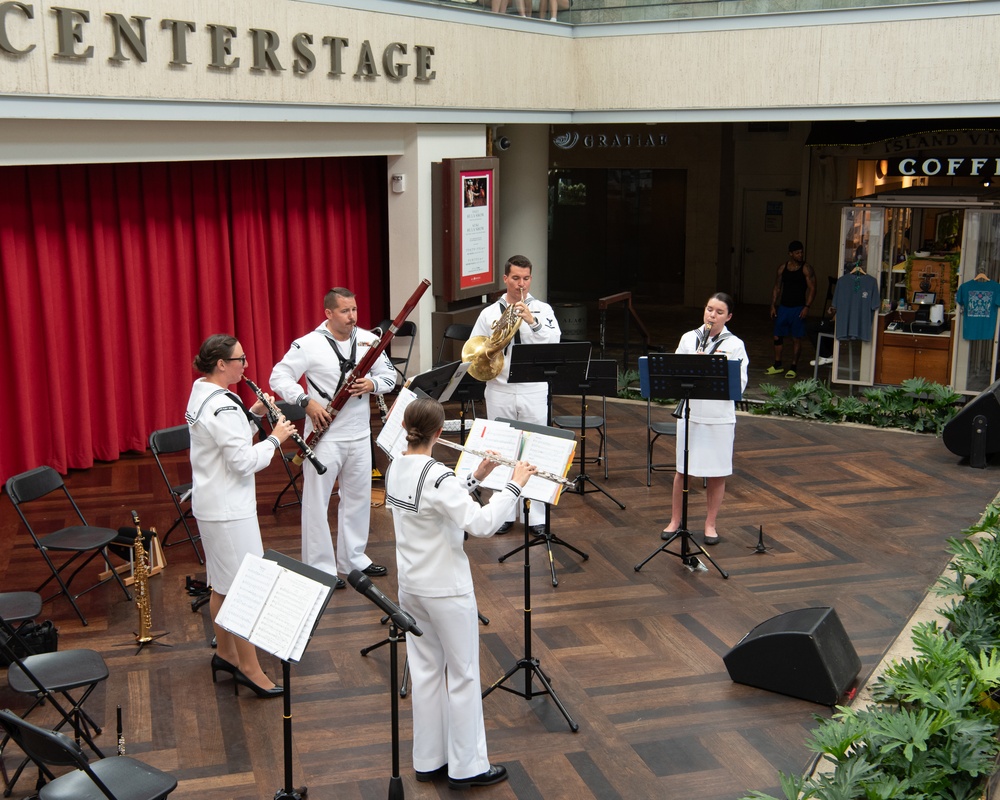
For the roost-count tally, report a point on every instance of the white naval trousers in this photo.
(447, 700)
(351, 463)
(526, 402)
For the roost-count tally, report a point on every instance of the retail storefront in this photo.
(920, 256)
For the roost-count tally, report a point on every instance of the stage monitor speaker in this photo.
(961, 432)
(803, 653)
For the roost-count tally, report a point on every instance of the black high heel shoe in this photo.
(243, 680)
(221, 665)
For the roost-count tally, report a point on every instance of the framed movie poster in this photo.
(468, 191)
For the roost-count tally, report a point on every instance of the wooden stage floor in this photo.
(854, 518)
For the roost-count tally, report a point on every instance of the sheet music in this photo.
(548, 453)
(392, 437)
(252, 585)
(551, 454)
(490, 435)
(456, 379)
(272, 607)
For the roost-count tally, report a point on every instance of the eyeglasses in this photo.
(242, 359)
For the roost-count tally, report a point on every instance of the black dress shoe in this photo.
(505, 528)
(375, 570)
(221, 665)
(435, 774)
(243, 680)
(537, 530)
(339, 584)
(495, 774)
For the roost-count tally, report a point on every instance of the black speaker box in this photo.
(803, 653)
(959, 433)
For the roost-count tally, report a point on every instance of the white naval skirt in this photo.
(711, 454)
(226, 543)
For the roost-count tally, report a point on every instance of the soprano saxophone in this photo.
(141, 585)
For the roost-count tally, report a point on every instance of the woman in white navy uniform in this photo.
(713, 422)
(224, 460)
(431, 508)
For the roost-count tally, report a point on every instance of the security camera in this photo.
(503, 143)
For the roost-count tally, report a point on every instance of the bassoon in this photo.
(365, 364)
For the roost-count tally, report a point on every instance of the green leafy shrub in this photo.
(931, 731)
(915, 405)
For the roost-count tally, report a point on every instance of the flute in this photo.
(273, 414)
(508, 462)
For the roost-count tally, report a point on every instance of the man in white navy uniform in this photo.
(525, 402)
(326, 356)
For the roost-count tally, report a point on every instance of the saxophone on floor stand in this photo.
(141, 590)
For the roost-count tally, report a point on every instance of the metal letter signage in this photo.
(121, 39)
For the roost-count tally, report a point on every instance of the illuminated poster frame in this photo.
(470, 214)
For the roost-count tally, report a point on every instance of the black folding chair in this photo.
(408, 330)
(19, 608)
(80, 540)
(164, 442)
(654, 430)
(48, 676)
(293, 413)
(456, 332)
(118, 778)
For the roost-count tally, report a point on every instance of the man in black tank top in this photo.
(794, 290)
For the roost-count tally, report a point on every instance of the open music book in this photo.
(550, 453)
(392, 437)
(273, 607)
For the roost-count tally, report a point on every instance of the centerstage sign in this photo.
(124, 39)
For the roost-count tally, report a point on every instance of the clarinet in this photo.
(273, 414)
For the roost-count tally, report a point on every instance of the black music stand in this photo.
(601, 379)
(288, 792)
(434, 383)
(565, 364)
(531, 666)
(689, 377)
(400, 623)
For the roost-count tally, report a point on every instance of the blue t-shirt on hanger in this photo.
(979, 301)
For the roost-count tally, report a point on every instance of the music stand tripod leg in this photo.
(530, 665)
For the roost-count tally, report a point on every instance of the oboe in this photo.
(273, 414)
(508, 462)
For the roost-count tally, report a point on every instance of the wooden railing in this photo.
(625, 298)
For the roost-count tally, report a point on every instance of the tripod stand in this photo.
(602, 378)
(691, 377)
(558, 365)
(531, 666)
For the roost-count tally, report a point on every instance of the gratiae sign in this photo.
(125, 39)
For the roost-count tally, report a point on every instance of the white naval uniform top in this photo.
(716, 412)
(431, 509)
(547, 333)
(312, 356)
(223, 455)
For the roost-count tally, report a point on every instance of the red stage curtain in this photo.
(111, 276)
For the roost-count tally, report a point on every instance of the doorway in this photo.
(770, 222)
(614, 230)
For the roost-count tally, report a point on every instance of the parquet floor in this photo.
(854, 518)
